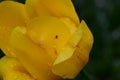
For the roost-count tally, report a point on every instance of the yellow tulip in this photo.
(46, 37)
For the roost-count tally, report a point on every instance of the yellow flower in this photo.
(46, 37)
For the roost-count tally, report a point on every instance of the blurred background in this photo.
(103, 18)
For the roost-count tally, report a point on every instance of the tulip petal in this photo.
(73, 58)
(12, 14)
(50, 32)
(58, 8)
(11, 69)
(33, 57)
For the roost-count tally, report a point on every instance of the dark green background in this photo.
(103, 18)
